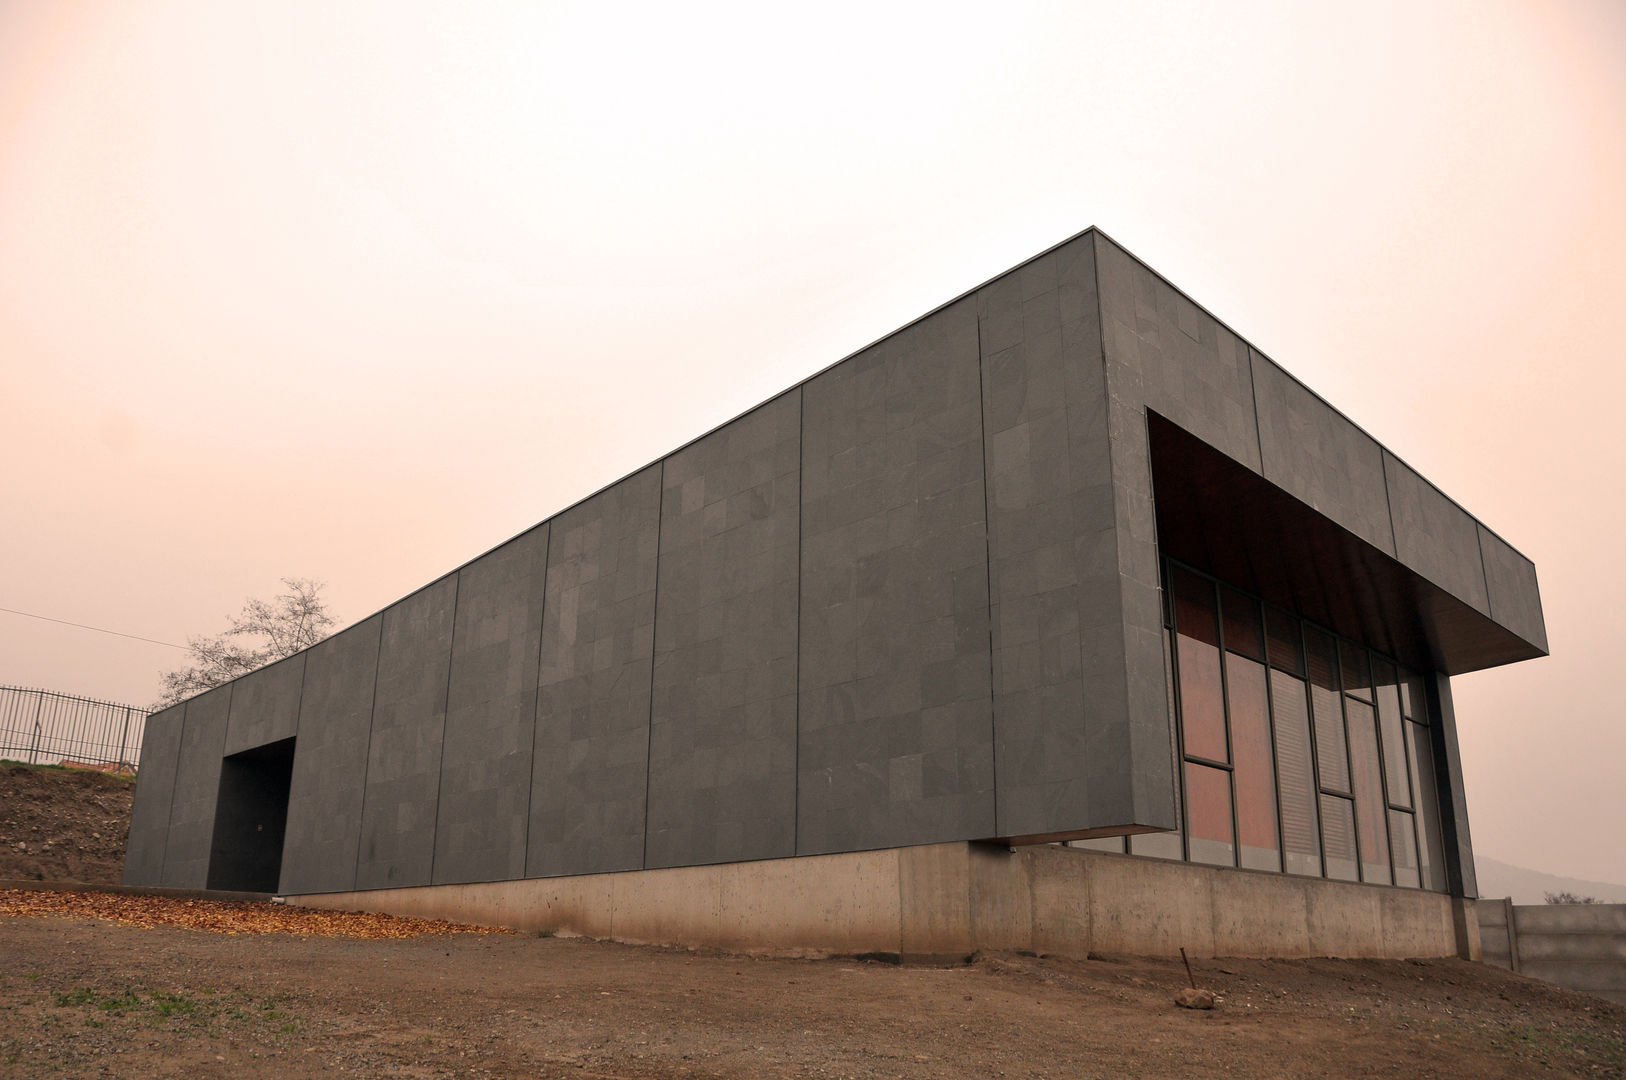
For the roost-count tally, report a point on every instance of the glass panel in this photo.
(1430, 847)
(1202, 710)
(1100, 843)
(1243, 632)
(1286, 651)
(1208, 828)
(1293, 771)
(1369, 805)
(1357, 676)
(1404, 842)
(1254, 778)
(1158, 845)
(1328, 709)
(1395, 774)
(1338, 830)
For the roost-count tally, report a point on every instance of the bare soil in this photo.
(86, 997)
(98, 985)
(61, 824)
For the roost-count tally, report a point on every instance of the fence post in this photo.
(34, 754)
(123, 736)
(1512, 934)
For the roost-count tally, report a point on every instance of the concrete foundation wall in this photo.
(945, 901)
(1580, 946)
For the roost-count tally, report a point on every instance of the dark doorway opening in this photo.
(251, 815)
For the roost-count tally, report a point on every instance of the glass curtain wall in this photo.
(1300, 751)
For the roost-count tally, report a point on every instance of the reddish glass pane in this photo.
(1301, 842)
(1338, 837)
(1357, 676)
(1370, 811)
(1327, 706)
(1404, 842)
(1202, 705)
(1282, 635)
(1208, 806)
(1244, 633)
(1395, 775)
(1254, 778)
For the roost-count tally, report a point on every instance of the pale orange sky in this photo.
(356, 291)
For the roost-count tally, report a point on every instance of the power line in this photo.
(98, 629)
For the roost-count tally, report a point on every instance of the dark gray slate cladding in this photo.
(330, 761)
(722, 753)
(149, 817)
(403, 758)
(265, 705)
(1052, 538)
(896, 743)
(592, 724)
(197, 785)
(485, 769)
(914, 599)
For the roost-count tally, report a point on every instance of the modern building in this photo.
(1061, 618)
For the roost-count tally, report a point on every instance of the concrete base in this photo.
(945, 901)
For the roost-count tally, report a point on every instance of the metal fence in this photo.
(43, 727)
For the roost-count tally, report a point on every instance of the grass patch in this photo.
(167, 1005)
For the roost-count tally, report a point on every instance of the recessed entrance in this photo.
(251, 815)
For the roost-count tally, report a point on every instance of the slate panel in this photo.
(197, 789)
(1314, 454)
(403, 755)
(1515, 599)
(485, 777)
(330, 761)
(896, 728)
(1434, 536)
(1126, 715)
(155, 784)
(722, 756)
(1193, 371)
(265, 705)
(1050, 502)
(591, 767)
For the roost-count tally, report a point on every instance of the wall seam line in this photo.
(169, 822)
(445, 715)
(796, 751)
(367, 764)
(1389, 505)
(988, 564)
(536, 705)
(654, 655)
(299, 710)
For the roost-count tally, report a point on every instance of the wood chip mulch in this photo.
(222, 917)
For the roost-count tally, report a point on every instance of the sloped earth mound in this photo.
(63, 824)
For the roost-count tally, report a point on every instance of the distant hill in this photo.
(1498, 879)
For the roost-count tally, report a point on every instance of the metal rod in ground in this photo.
(1189, 975)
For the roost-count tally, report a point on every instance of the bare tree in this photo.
(1569, 898)
(263, 632)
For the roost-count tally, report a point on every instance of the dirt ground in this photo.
(85, 997)
(62, 824)
(102, 985)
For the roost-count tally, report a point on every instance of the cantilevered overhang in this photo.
(1260, 481)
(1220, 516)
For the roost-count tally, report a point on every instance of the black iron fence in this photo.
(43, 727)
